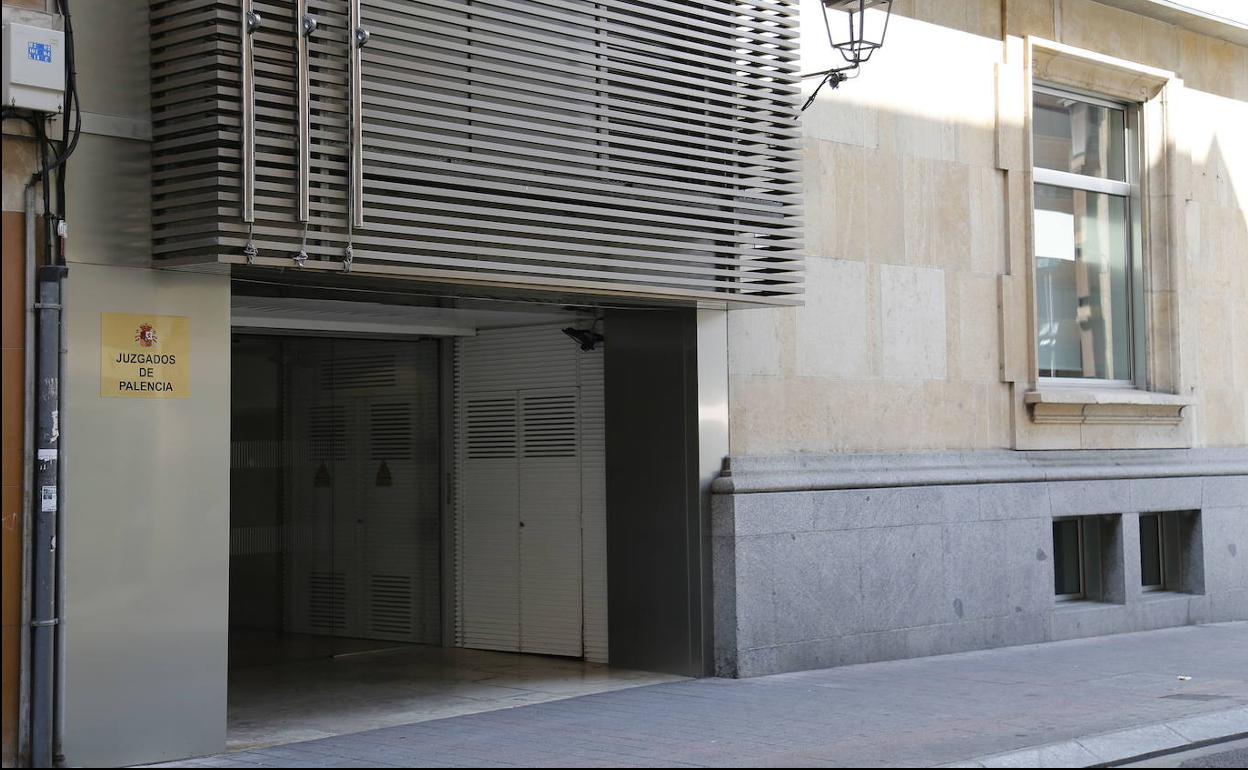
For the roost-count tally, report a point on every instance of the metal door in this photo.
(530, 565)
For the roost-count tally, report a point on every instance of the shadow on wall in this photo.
(1214, 311)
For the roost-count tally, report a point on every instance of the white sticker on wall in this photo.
(48, 499)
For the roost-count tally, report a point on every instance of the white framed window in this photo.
(1087, 238)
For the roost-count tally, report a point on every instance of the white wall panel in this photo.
(147, 532)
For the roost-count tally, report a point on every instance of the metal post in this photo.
(357, 37)
(305, 25)
(43, 620)
(249, 23)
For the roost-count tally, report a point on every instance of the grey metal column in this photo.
(43, 620)
(713, 447)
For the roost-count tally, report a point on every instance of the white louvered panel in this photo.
(548, 424)
(593, 460)
(550, 515)
(490, 427)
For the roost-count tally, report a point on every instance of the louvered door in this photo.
(401, 518)
(320, 542)
(550, 523)
(529, 515)
(489, 519)
(365, 516)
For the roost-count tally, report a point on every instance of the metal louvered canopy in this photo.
(644, 149)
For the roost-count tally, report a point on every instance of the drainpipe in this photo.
(43, 621)
(28, 483)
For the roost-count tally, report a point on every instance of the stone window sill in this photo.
(1104, 406)
(1169, 594)
(1085, 605)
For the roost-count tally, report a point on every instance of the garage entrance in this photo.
(418, 520)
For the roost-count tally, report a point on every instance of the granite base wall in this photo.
(814, 578)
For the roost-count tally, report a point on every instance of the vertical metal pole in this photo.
(43, 620)
(304, 26)
(356, 38)
(249, 22)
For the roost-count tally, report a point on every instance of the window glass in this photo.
(1082, 138)
(1082, 283)
(1150, 550)
(1066, 558)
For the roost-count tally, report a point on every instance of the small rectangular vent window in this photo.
(491, 428)
(327, 600)
(390, 431)
(391, 605)
(550, 425)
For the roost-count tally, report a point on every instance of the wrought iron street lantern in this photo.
(862, 39)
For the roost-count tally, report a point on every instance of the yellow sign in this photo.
(144, 356)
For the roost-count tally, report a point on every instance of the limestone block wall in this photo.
(915, 334)
(813, 569)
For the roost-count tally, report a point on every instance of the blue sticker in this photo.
(39, 52)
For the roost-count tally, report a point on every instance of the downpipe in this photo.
(28, 481)
(47, 506)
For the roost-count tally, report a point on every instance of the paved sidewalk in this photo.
(1019, 706)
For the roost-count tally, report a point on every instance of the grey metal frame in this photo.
(1132, 191)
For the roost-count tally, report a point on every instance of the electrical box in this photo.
(34, 68)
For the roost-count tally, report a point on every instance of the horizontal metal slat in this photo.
(516, 146)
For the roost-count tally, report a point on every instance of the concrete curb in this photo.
(1121, 745)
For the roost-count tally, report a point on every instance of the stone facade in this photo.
(832, 561)
(918, 337)
(917, 330)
